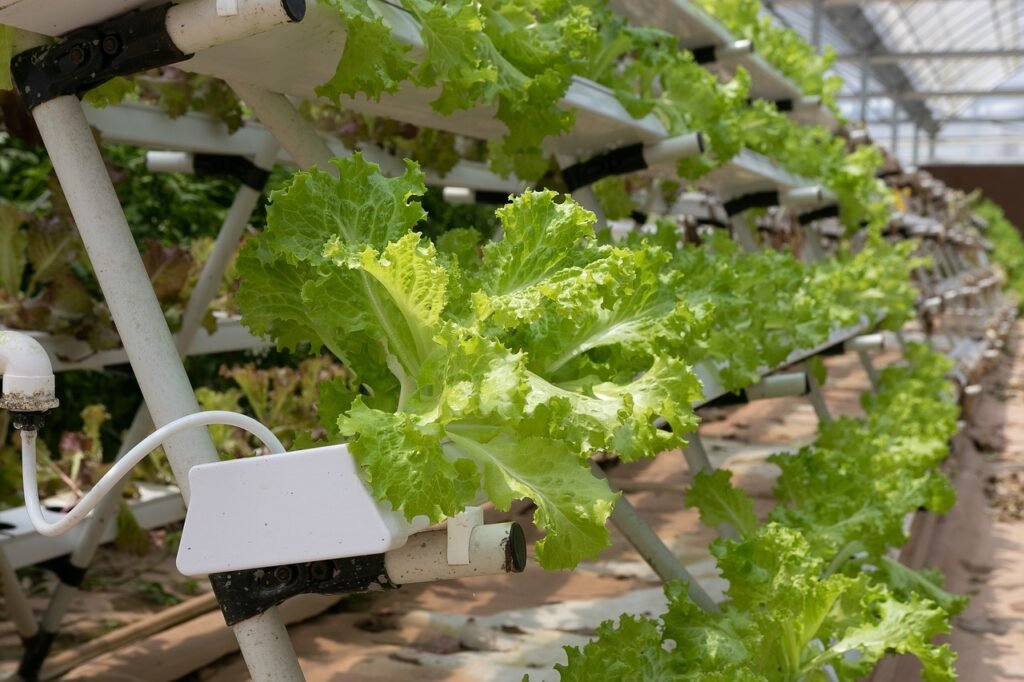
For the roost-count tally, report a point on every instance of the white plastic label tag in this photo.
(227, 8)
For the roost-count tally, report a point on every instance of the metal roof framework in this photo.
(951, 70)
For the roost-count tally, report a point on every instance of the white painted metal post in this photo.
(95, 525)
(742, 234)
(287, 125)
(147, 340)
(869, 368)
(658, 556)
(816, 397)
(931, 145)
(696, 455)
(917, 143)
(15, 603)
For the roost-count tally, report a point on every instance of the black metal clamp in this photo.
(238, 167)
(88, 57)
(746, 202)
(817, 214)
(248, 593)
(619, 161)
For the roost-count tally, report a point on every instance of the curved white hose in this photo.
(125, 464)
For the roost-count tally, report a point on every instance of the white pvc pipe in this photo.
(673, 149)
(206, 287)
(424, 558)
(802, 197)
(28, 383)
(230, 234)
(817, 397)
(148, 343)
(15, 602)
(738, 48)
(866, 342)
(696, 455)
(169, 162)
(869, 368)
(742, 234)
(287, 125)
(196, 25)
(652, 550)
(459, 195)
(779, 386)
(123, 466)
(123, 279)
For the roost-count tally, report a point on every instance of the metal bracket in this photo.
(37, 648)
(746, 202)
(245, 594)
(88, 57)
(238, 167)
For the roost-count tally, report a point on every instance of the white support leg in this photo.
(696, 455)
(742, 234)
(147, 340)
(658, 556)
(95, 525)
(15, 602)
(816, 397)
(869, 368)
(288, 127)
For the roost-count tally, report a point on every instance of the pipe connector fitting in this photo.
(28, 382)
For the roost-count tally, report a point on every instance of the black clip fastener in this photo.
(823, 213)
(246, 594)
(748, 201)
(88, 57)
(239, 167)
(619, 161)
(37, 648)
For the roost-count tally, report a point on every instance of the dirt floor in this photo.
(499, 629)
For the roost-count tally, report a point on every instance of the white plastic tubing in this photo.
(125, 464)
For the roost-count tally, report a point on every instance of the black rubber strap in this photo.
(245, 594)
(239, 167)
(37, 648)
(623, 160)
(822, 213)
(728, 400)
(639, 217)
(88, 57)
(746, 202)
(705, 55)
(66, 572)
(889, 173)
(490, 197)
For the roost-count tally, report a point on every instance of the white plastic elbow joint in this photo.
(28, 384)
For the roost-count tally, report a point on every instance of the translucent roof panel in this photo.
(936, 25)
(969, 127)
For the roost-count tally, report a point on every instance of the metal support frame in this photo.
(869, 368)
(96, 524)
(697, 455)
(147, 340)
(815, 395)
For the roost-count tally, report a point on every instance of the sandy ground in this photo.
(499, 628)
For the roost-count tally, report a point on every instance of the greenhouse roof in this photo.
(954, 68)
